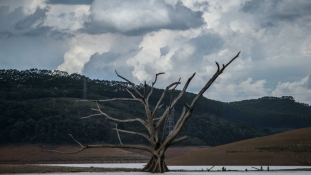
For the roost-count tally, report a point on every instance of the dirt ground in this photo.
(32, 153)
(288, 148)
(11, 168)
(171, 151)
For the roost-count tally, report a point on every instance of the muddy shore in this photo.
(11, 168)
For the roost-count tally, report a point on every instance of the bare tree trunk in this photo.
(156, 164)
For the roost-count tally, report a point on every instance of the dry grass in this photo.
(31, 153)
(288, 148)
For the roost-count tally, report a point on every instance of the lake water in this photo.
(200, 170)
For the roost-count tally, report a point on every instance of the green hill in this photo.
(42, 106)
(272, 112)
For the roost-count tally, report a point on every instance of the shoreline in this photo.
(19, 168)
(23, 168)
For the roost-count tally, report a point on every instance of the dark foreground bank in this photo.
(10, 168)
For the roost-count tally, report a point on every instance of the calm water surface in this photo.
(216, 170)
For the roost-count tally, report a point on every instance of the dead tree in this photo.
(158, 144)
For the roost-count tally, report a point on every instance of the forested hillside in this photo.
(43, 106)
(270, 112)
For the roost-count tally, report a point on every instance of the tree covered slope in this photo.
(43, 106)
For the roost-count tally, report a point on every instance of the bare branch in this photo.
(118, 99)
(74, 152)
(132, 132)
(186, 104)
(131, 83)
(209, 169)
(130, 93)
(217, 66)
(145, 89)
(159, 105)
(175, 132)
(162, 118)
(182, 115)
(179, 140)
(127, 89)
(114, 119)
(75, 140)
(211, 81)
(154, 119)
(173, 89)
(153, 83)
(142, 147)
(90, 116)
(233, 59)
(164, 127)
(118, 134)
(125, 120)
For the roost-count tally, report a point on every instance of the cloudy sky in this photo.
(140, 38)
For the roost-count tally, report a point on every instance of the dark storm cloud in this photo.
(70, 2)
(270, 12)
(16, 23)
(37, 17)
(201, 5)
(140, 17)
(49, 32)
(38, 31)
(203, 45)
(183, 18)
(5, 34)
(206, 44)
(164, 50)
(8, 19)
(99, 63)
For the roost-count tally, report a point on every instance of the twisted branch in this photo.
(182, 122)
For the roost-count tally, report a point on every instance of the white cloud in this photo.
(82, 47)
(140, 38)
(300, 90)
(121, 49)
(229, 91)
(64, 17)
(137, 17)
